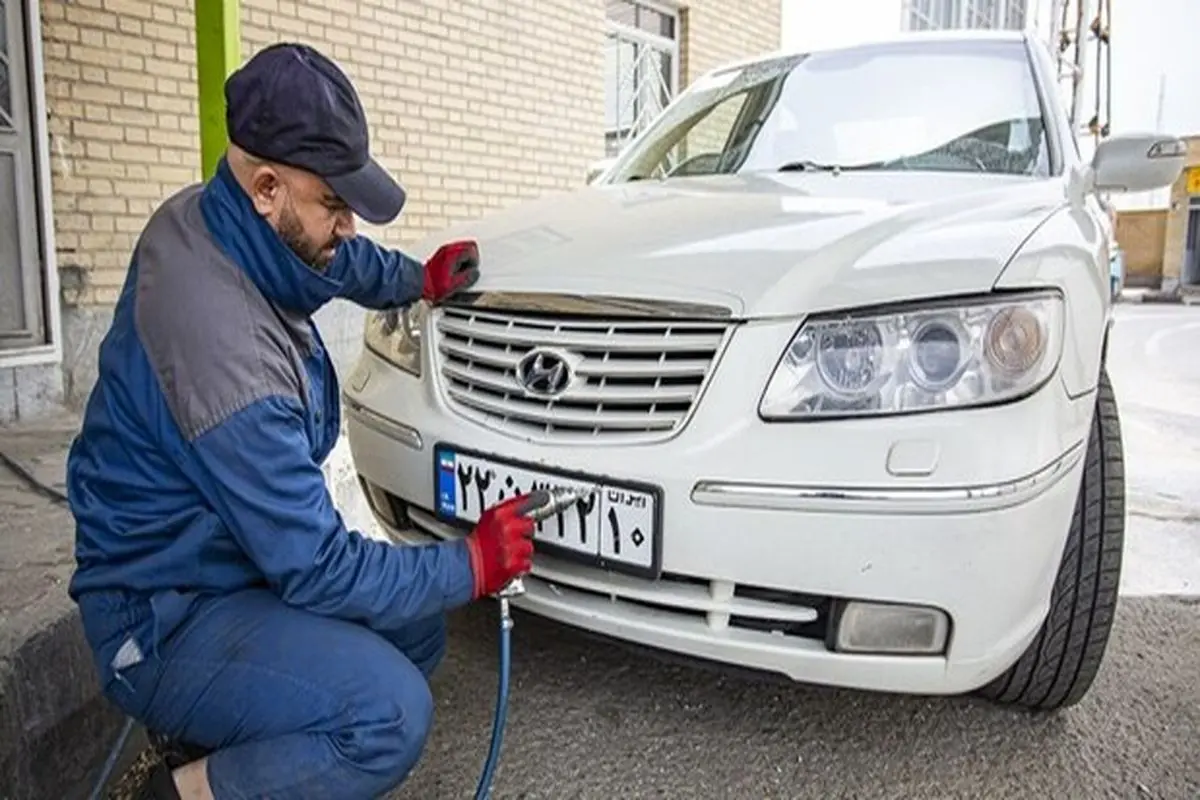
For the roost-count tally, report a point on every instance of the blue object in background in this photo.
(1116, 272)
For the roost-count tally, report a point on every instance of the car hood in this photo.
(764, 245)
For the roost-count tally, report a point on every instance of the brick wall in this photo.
(528, 70)
(121, 88)
(1141, 234)
(123, 102)
(120, 85)
(716, 31)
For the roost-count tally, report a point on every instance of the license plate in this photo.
(617, 528)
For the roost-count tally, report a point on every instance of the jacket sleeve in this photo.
(377, 277)
(272, 495)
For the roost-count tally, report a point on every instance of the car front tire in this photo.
(1062, 661)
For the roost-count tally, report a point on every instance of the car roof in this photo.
(959, 35)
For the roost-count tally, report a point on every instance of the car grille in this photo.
(633, 379)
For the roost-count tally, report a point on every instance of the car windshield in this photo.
(959, 106)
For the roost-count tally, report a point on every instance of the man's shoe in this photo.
(175, 753)
(159, 785)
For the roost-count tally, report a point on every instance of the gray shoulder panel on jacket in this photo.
(214, 342)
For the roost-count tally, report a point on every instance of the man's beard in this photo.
(292, 233)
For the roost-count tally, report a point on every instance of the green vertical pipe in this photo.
(218, 53)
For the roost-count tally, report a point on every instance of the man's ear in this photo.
(266, 186)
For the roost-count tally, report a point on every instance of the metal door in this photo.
(22, 311)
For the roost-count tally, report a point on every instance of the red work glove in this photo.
(454, 267)
(501, 546)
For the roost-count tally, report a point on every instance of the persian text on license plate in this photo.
(616, 527)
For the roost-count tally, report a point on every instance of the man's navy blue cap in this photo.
(292, 105)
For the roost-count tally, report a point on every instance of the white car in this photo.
(829, 336)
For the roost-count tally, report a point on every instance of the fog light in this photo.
(891, 629)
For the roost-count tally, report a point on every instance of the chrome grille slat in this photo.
(649, 369)
(632, 378)
(484, 354)
(534, 335)
(566, 418)
(503, 382)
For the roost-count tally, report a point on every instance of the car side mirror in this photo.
(598, 168)
(1137, 162)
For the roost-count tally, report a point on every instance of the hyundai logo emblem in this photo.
(544, 372)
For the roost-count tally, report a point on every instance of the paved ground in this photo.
(1154, 360)
(588, 720)
(46, 674)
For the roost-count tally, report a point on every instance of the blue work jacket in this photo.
(197, 469)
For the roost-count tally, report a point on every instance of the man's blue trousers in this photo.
(296, 705)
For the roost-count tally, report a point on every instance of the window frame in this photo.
(49, 349)
(617, 137)
(916, 15)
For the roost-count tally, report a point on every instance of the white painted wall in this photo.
(1152, 50)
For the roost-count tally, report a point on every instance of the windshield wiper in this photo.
(806, 165)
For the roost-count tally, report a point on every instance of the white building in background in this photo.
(809, 24)
(1154, 69)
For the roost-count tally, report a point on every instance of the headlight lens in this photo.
(937, 356)
(396, 335)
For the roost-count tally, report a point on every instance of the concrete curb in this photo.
(1140, 295)
(56, 728)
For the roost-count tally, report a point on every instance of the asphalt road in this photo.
(591, 720)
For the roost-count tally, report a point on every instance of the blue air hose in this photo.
(541, 504)
(484, 789)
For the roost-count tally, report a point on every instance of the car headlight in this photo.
(938, 355)
(395, 335)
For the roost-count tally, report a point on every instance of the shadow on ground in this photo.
(589, 719)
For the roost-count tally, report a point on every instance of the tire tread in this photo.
(1064, 658)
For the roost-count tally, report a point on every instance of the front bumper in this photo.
(767, 527)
